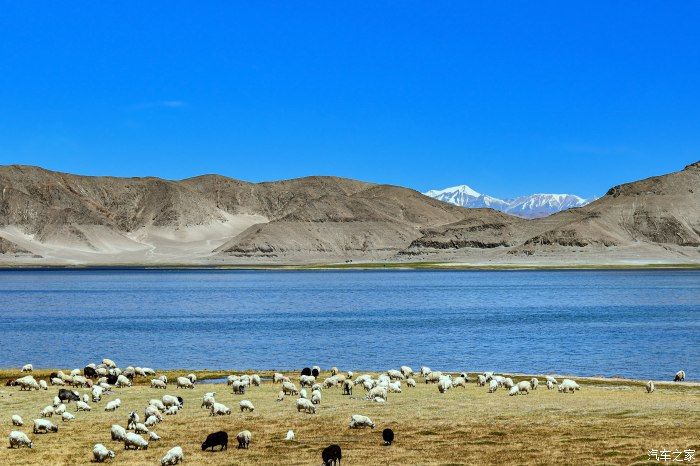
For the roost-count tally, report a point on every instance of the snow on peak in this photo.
(461, 189)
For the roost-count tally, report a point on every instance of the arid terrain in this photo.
(608, 421)
(50, 218)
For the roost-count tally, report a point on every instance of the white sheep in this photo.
(86, 398)
(67, 416)
(524, 387)
(233, 378)
(122, 381)
(331, 381)
(290, 435)
(118, 432)
(551, 379)
(277, 377)
(377, 391)
(60, 409)
(650, 386)
(550, 385)
(493, 385)
(153, 436)
(508, 383)
(424, 371)
(303, 394)
(47, 411)
(444, 384)
(56, 401)
(170, 400)
(406, 371)
(680, 376)
(164, 378)
(149, 371)
(151, 420)
(109, 363)
(459, 382)
(80, 381)
(395, 387)
(157, 383)
(184, 382)
(208, 400)
(17, 420)
(135, 441)
(379, 399)
(396, 375)
(27, 383)
(357, 421)
(244, 438)
(411, 383)
(350, 374)
(514, 390)
(159, 404)
(280, 396)
(307, 380)
(289, 388)
(82, 406)
(246, 405)
(19, 439)
(255, 380)
(172, 410)
(27, 368)
(45, 426)
(192, 378)
(140, 428)
(101, 453)
(568, 385)
(218, 409)
(57, 381)
(534, 383)
(43, 385)
(316, 397)
(113, 405)
(152, 411)
(306, 406)
(173, 456)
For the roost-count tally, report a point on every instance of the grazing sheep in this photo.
(232, 378)
(244, 437)
(97, 394)
(508, 383)
(280, 396)
(27, 368)
(216, 439)
(122, 381)
(480, 380)
(680, 376)
(334, 371)
(444, 384)
(135, 442)
(86, 398)
(109, 363)
(140, 428)
(19, 439)
(347, 387)
(153, 436)
(57, 381)
(67, 416)
(208, 400)
(650, 387)
(568, 385)
(488, 375)
(192, 377)
(394, 387)
(47, 411)
(551, 379)
(279, 378)
(534, 383)
(56, 401)
(377, 392)
(388, 436)
(172, 410)
(246, 405)
(67, 396)
(289, 388)
(27, 383)
(307, 380)
(303, 394)
(500, 380)
(331, 455)
(238, 387)
(306, 371)
(133, 419)
(357, 421)
(17, 420)
(45, 426)
(43, 385)
(290, 435)
(169, 400)
(218, 409)
(316, 397)
(113, 405)
(306, 405)
(550, 385)
(101, 453)
(80, 381)
(350, 374)
(152, 411)
(118, 432)
(158, 404)
(173, 456)
(82, 406)
(90, 371)
(331, 381)
(406, 371)
(493, 385)
(157, 383)
(379, 399)
(60, 409)
(459, 382)
(184, 382)
(524, 387)
(411, 383)
(151, 421)
(424, 371)
(255, 380)
(164, 378)
(395, 375)
(514, 390)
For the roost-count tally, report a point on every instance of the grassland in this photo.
(608, 421)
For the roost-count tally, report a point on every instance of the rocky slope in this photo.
(55, 218)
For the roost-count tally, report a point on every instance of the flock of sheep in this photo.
(103, 379)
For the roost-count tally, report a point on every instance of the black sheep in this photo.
(53, 375)
(315, 372)
(112, 379)
(216, 439)
(306, 371)
(331, 455)
(89, 372)
(181, 401)
(388, 436)
(66, 395)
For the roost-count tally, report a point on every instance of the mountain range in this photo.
(52, 218)
(532, 206)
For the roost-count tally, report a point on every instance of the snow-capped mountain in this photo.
(532, 206)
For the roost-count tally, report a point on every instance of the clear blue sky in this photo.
(512, 99)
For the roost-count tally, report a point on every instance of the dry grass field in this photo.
(606, 422)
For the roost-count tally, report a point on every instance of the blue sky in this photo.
(509, 97)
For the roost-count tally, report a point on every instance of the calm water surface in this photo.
(641, 324)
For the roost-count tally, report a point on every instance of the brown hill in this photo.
(56, 218)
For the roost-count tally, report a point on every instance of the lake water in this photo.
(640, 324)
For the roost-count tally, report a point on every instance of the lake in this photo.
(641, 324)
